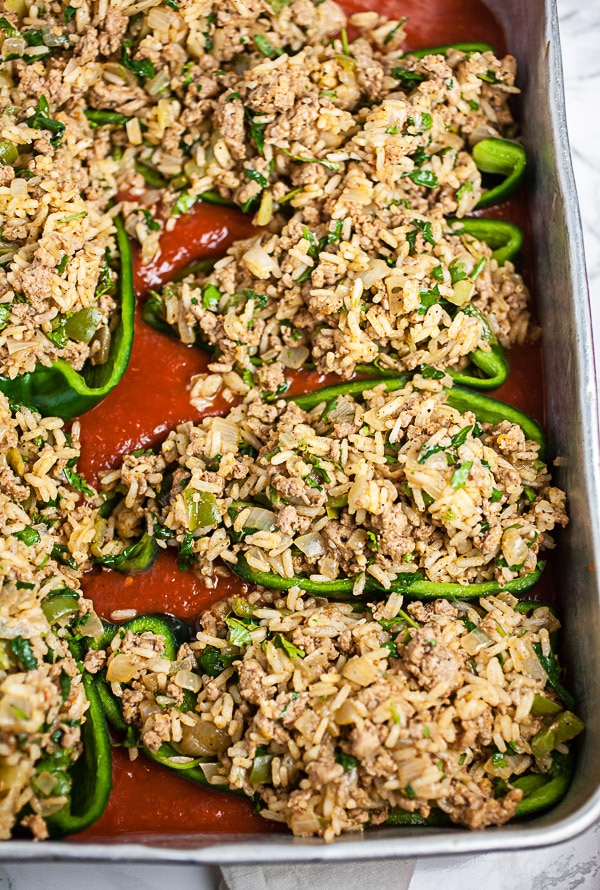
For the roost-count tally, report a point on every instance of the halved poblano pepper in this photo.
(91, 774)
(505, 238)
(486, 410)
(483, 406)
(59, 390)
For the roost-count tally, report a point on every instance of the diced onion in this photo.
(157, 84)
(228, 431)
(294, 356)
(113, 72)
(377, 270)
(45, 783)
(122, 669)
(202, 738)
(530, 665)
(260, 263)
(260, 519)
(461, 292)
(475, 640)
(342, 411)
(514, 548)
(92, 627)
(13, 46)
(311, 545)
(188, 680)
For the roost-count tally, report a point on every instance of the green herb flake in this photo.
(425, 178)
(266, 48)
(463, 190)
(23, 651)
(430, 373)
(239, 631)
(65, 685)
(151, 224)
(257, 177)
(408, 80)
(41, 120)
(346, 760)
(69, 14)
(424, 227)
(28, 535)
(8, 29)
(142, 69)
(77, 481)
(461, 474)
(292, 651)
(428, 298)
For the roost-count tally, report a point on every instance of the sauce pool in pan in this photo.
(147, 800)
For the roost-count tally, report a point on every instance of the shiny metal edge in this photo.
(572, 406)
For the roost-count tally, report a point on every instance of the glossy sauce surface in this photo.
(153, 398)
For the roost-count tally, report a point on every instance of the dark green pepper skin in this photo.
(503, 237)
(483, 407)
(540, 792)
(492, 364)
(91, 773)
(443, 50)
(59, 390)
(173, 630)
(410, 585)
(137, 557)
(501, 157)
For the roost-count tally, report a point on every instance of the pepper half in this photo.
(540, 790)
(483, 407)
(91, 774)
(61, 391)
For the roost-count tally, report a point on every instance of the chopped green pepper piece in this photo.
(83, 324)
(60, 603)
(8, 152)
(202, 509)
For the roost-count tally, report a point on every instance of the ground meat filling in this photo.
(398, 484)
(336, 717)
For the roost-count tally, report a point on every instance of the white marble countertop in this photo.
(575, 864)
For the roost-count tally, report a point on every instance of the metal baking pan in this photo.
(572, 426)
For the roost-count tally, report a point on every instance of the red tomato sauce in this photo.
(163, 588)
(147, 800)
